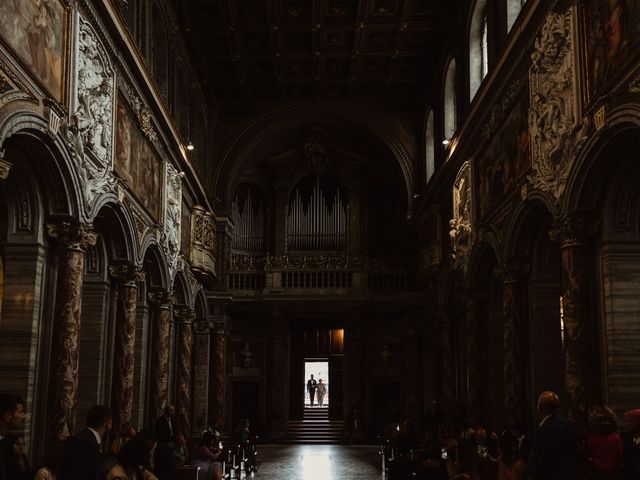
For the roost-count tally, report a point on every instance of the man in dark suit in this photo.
(166, 425)
(12, 418)
(80, 458)
(312, 385)
(555, 453)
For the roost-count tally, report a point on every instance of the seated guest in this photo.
(555, 446)
(605, 446)
(205, 455)
(511, 466)
(467, 464)
(127, 433)
(81, 453)
(17, 463)
(211, 428)
(131, 460)
(12, 418)
(49, 469)
(631, 442)
(159, 459)
(179, 447)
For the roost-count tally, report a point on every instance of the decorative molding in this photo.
(556, 125)
(599, 117)
(460, 225)
(500, 110)
(634, 85)
(5, 166)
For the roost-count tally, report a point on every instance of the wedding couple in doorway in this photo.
(316, 388)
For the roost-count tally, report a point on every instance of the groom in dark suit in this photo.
(555, 454)
(81, 453)
(312, 385)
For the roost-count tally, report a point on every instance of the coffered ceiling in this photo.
(252, 54)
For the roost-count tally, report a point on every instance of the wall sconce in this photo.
(446, 142)
(190, 146)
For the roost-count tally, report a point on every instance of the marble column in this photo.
(200, 377)
(160, 303)
(512, 348)
(218, 370)
(579, 364)
(126, 277)
(279, 373)
(184, 320)
(354, 372)
(73, 240)
(474, 382)
(447, 378)
(412, 371)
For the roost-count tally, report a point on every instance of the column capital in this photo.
(574, 230)
(161, 299)
(5, 166)
(72, 236)
(127, 273)
(184, 315)
(221, 324)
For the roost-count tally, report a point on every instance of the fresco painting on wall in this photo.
(613, 33)
(37, 30)
(137, 162)
(508, 157)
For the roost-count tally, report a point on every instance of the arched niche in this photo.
(100, 298)
(485, 289)
(536, 261)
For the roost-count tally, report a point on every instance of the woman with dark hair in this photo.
(205, 455)
(131, 459)
(179, 447)
(510, 466)
(605, 446)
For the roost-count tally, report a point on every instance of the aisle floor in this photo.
(318, 462)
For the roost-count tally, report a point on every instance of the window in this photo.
(450, 116)
(431, 147)
(478, 47)
(513, 10)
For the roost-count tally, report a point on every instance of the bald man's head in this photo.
(548, 403)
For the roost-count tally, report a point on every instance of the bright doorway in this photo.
(320, 371)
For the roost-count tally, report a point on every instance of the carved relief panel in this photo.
(203, 241)
(460, 224)
(555, 113)
(90, 129)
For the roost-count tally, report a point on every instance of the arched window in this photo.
(183, 102)
(128, 11)
(478, 47)
(160, 52)
(513, 10)
(450, 115)
(431, 147)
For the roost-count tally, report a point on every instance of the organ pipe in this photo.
(319, 224)
(249, 224)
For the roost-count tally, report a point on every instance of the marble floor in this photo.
(318, 462)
